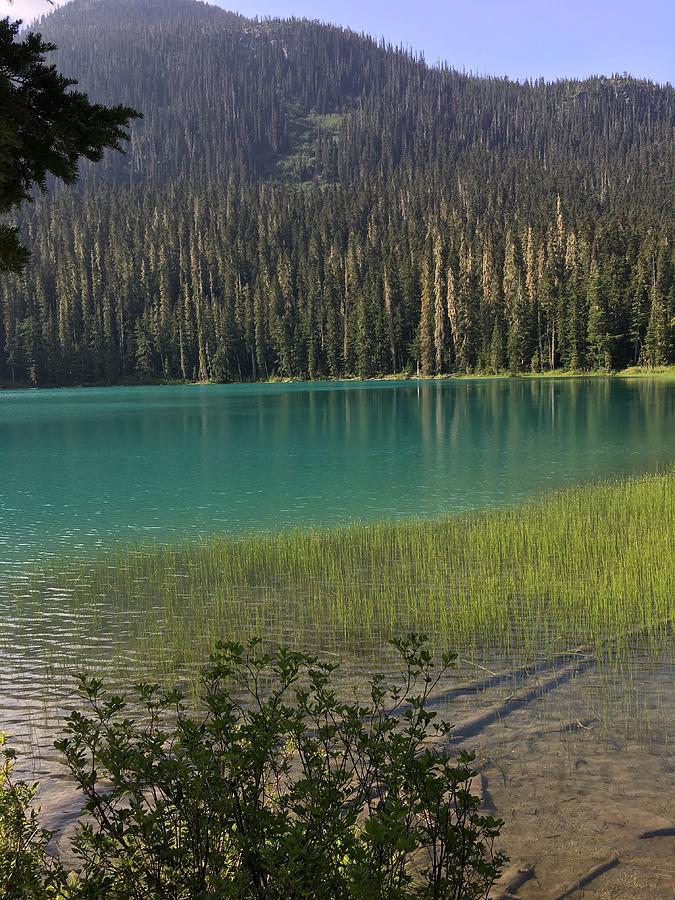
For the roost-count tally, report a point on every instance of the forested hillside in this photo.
(302, 201)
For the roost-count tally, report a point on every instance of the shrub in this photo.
(280, 787)
(25, 870)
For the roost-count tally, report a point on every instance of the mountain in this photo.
(304, 201)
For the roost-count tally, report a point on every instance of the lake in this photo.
(574, 767)
(85, 468)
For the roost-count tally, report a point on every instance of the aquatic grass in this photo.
(592, 566)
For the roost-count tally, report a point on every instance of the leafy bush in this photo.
(279, 788)
(25, 871)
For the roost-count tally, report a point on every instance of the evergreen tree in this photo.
(659, 338)
(599, 342)
(426, 337)
(45, 128)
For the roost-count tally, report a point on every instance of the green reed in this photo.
(590, 566)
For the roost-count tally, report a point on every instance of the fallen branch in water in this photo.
(437, 698)
(657, 832)
(480, 720)
(589, 875)
(510, 880)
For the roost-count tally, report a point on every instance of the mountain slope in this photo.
(302, 201)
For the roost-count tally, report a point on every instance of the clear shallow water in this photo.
(82, 468)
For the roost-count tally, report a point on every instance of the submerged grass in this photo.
(594, 566)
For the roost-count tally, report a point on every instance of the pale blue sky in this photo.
(519, 38)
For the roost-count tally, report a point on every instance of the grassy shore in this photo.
(661, 372)
(592, 566)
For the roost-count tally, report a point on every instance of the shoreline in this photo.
(660, 372)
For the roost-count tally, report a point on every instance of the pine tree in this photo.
(599, 342)
(659, 338)
(497, 349)
(439, 311)
(514, 303)
(426, 339)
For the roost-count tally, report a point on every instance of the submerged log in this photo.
(510, 880)
(589, 875)
(495, 711)
(496, 678)
(658, 832)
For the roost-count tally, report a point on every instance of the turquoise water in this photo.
(83, 468)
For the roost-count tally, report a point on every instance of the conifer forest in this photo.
(300, 201)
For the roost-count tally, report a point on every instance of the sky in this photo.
(518, 38)
(25, 9)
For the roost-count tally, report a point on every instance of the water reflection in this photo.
(85, 467)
